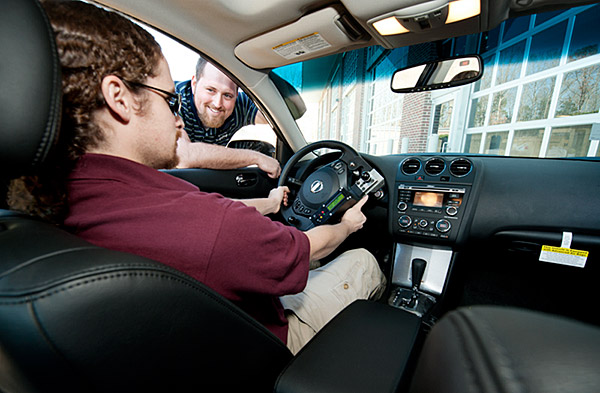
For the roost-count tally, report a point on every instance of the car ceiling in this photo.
(250, 29)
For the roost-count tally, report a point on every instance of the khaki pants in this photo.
(353, 275)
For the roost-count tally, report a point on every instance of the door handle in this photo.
(246, 179)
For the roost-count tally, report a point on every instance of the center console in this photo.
(427, 214)
(431, 194)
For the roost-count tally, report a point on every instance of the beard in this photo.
(171, 163)
(212, 121)
(167, 162)
(160, 160)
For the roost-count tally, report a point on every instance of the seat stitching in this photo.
(41, 257)
(238, 313)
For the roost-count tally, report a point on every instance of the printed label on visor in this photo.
(301, 46)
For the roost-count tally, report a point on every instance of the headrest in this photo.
(30, 97)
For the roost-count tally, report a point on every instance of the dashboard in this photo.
(454, 199)
(481, 224)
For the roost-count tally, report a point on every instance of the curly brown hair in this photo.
(92, 43)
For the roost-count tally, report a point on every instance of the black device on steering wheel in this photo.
(331, 189)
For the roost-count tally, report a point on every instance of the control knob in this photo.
(451, 210)
(404, 221)
(402, 206)
(443, 225)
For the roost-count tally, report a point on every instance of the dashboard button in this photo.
(404, 221)
(402, 206)
(451, 210)
(443, 225)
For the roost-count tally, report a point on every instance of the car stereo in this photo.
(431, 211)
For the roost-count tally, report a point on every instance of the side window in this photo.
(214, 109)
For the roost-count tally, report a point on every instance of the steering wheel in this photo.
(328, 190)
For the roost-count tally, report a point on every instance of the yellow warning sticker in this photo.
(564, 256)
(301, 46)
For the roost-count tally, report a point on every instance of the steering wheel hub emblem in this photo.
(316, 186)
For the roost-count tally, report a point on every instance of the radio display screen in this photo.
(428, 199)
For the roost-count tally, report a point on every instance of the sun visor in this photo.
(314, 35)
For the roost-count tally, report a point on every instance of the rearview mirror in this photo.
(438, 74)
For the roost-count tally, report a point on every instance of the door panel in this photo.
(240, 183)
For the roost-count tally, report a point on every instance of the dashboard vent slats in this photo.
(435, 166)
(410, 166)
(460, 167)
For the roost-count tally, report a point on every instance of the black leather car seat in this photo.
(79, 318)
(487, 349)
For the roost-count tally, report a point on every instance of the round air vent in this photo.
(461, 167)
(435, 166)
(410, 166)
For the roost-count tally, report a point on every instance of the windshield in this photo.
(539, 95)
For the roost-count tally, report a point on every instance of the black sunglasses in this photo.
(173, 99)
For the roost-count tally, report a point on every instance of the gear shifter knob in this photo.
(418, 269)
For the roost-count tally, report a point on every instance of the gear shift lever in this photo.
(413, 300)
(418, 269)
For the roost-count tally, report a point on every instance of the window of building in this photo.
(584, 40)
(509, 65)
(442, 121)
(535, 100)
(495, 143)
(478, 109)
(546, 48)
(503, 103)
(386, 111)
(569, 141)
(472, 143)
(486, 80)
(580, 92)
(515, 27)
(545, 16)
(552, 87)
(348, 116)
(527, 143)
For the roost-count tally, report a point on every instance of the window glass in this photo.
(527, 143)
(488, 69)
(511, 110)
(546, 48)
(348, 117)
(584, 40)
(442, 121)
(472, 143)
(495, 143)
(478, 108)
(580, 92)
(569, 141)
(514, 27)
(543, 17)
(535, 100)
(503, 103)
(509, 65)
(489, 40)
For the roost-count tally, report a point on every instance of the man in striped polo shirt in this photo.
(213, 110)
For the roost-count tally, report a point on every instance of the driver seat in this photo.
(75, 317)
